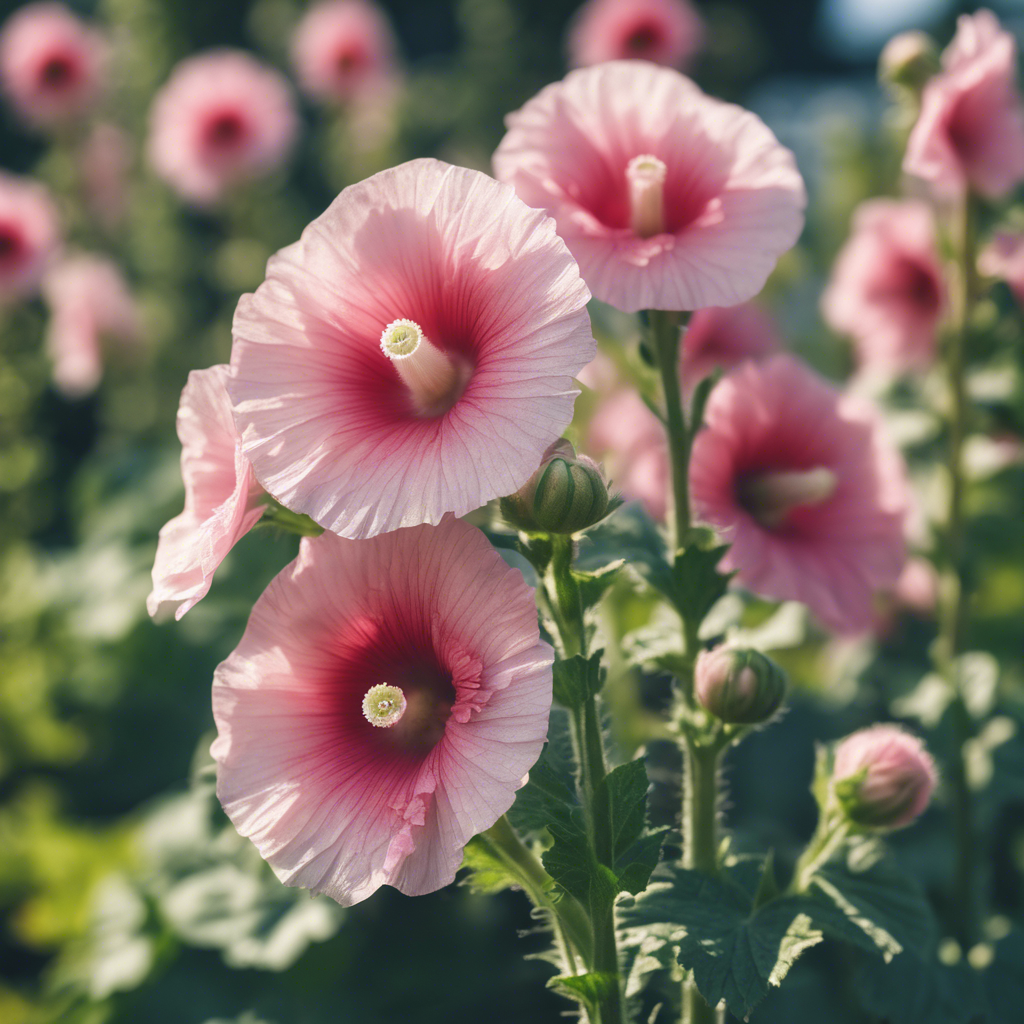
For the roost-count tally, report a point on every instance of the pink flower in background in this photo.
(668, 199)
(970, 132)
(412, 354)
(105, 162)
(801, 481)
(887, 289)
(222, 497)
(221, 119)
(383, 707)
(89, 302)
(343, 47)
(666, 32)
(889, 777)
(51, 63)
(29, 235)
(1003, 258)
(718, 339)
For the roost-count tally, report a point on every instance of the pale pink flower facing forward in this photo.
(801, 482)
(29, 235)
(341, 48)
(222, 118)
(887, 289)
(1003, 258)
(89, 303)
(665, 32)
(385, 703)
(222, 497)
(412, 354)
(668, 199)
(970, 132)
(896, 776)
(51, 63)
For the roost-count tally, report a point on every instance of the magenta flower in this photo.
(51, 63)
(221, 119)
(29, 235)
(665, 32)
(887, 289)
(970, 132)
(89, 302)
(883, 777)
(412, 355)
(383, 707)
(668, 199)
(222, 498)
(343, 47)
(1003, 258)
(800, 480)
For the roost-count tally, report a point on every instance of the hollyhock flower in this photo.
(89, 301)
(668, 199)
(1003, 258)
(800, 480)
(29, 235)
(51, 63)
(343, 47)
(222, 497)
(222, 118)
(970, 133)
(887, 289)
(666, 32)
(383, 707)
(883, 777)
(412, 354)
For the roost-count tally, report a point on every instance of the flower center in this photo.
(56, 73)
(225, 131)
(384, 705)
(642, 39)
(645, 176)
(770, 497)
(10, 243)
(435, 379)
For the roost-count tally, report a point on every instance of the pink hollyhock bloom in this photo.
(970, 132)
(412, 354)
(222, 497)
(51, 63)
(1003, 258)
(883, 777)
(222, 118)
(89, 301)
(668, 199)
(104, 162)
(887, 289)
(343, 47)
(802, 483)
(666, 32)
(29, 235)
(720, 338)
(383, 707)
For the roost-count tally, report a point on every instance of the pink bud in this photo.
(883, 777)
(742, 687)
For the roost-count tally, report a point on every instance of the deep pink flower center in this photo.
(225, 131)
(907, 280)
(643, 38)
(57, 73)
(771, 496)
(964, 127)
(11, 244)
(349, 59)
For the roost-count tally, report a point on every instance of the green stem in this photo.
(700, 808)
(952, 596)
(665, 336)
(829, 836)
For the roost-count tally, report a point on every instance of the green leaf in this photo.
(629, 535)
(696, 582)
(589, 990)
(658, 645)
(487, 872)
(623, 791)
(571, 863)
(578, 679)
(594, 585)
(549, 795)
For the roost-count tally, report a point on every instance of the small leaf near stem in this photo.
(284, 519)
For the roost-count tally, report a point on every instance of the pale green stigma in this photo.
(401, 338)
(383, 705)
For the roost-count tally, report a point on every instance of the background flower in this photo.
(29, 235)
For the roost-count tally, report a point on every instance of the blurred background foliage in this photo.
(125, 895)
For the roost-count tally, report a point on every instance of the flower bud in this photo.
(741, 687)
(566, 494)
(882, 777)
(909, 60)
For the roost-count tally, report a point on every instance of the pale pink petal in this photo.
(325, 419)
(29, 235)
(333, 803)
(222, 498)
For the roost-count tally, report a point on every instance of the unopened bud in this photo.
(566, 494)
(908, 60)
(739, 686)
(882, 777)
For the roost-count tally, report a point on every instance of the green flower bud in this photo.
(566, 494)
(739, 686)
(908, 60)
